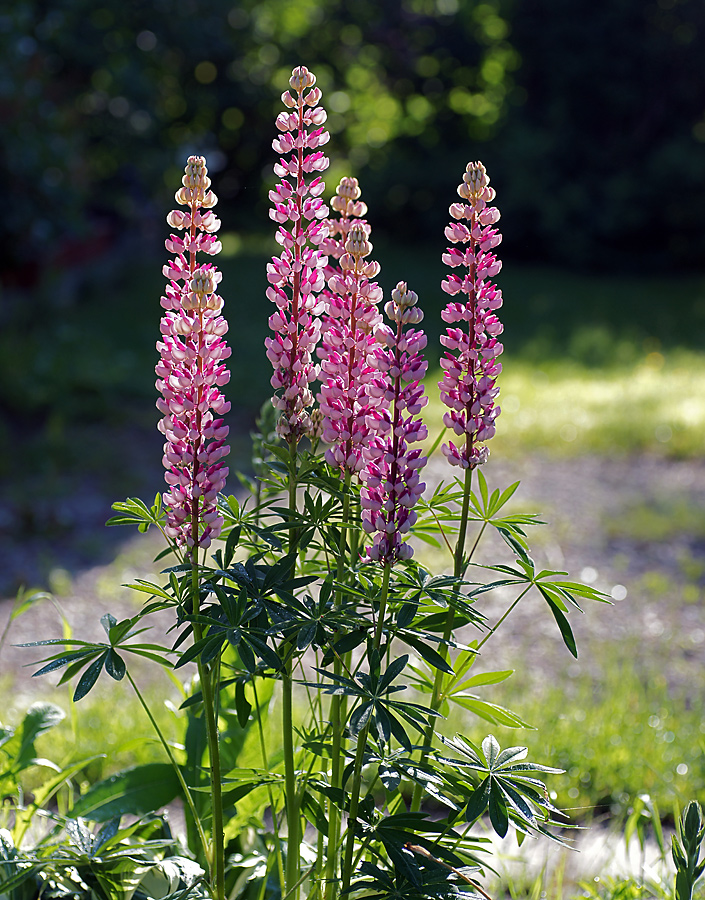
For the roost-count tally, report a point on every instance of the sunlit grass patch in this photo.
(617, 736)
(567, 408)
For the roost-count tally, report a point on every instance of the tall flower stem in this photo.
(217, 855)
(293, 862)
(292, 805)
(361, 745)
(295, 279)
(338, 711)
(468, 387)
(459, 565)
(177, 768)
(190, 373)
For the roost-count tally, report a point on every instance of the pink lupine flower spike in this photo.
(391, 479)
(192, 369)
(297, 276)
(351, 315)
(470, 366)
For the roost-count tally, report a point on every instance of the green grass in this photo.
(592, 361)
(656, 405)
(617, 734)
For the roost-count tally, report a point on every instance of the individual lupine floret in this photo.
(471, 366)
(191, 369)
(347, 333)
(297, 276)
(391, 477)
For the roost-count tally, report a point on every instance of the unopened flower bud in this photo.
(348, 188)
(476, 177)
(301, 79)
(357, 243)
(203, 282)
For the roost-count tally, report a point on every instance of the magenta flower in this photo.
(192, 369)
(347, 339)
(391, 479)
(297, 276)
(471, 367)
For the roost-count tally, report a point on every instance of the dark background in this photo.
(590, 118)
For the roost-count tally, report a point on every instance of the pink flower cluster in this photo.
(191, 369)
(297, 276)
(391, 477)
(347, 339)
(470, 366)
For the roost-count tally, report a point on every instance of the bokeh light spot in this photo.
(146, 40)
(205, 72)
(233, 118)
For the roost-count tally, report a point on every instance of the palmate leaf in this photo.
(426, 652)
(561, 620)
(89, 677)
(507, 790)
(394, 669)
(90, 658)
(424, 864)
(555, 591)
(134, 511)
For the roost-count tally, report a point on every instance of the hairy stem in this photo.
(293, 861)
(217, 855)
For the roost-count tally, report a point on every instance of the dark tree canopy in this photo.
(589, 116)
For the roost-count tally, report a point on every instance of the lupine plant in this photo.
(312, 605)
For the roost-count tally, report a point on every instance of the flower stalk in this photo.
(470, 365)
(190, 373)
(296, 278)
(391, 479)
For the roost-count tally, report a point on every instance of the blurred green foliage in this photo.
(105, 100)
(589, 116)
(590, 119)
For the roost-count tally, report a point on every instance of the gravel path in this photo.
(591, 505)
(584, 500)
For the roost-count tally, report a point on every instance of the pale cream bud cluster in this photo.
(357, 246)
(475, 184)
(347, 199)
(401, 307)
(202, 288)
(196, 184)
(301, 80)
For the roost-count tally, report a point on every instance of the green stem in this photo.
(217, 855)
(459, 566)
(265, 764)
(177, 768)
(503, 617)
(338, 715)
(360, 752)
(293, 860)
(292, 811)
